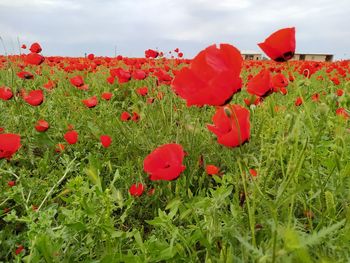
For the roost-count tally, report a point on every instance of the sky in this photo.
(129, 27)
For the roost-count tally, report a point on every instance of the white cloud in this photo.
(72, 27)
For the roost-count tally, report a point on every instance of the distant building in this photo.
(251, 55)
(313, 57)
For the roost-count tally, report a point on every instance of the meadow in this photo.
(280, 194)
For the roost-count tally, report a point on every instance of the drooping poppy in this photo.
(34, 98)
(280, 45)
(165, 162)
(42, 126)
(90, 102)
(261, 84)
(231, 125)
(9, 145)
(34, 59)
(71, 137)
(136, 189)
(23, 46)
(5, 93)
(212, 77)
(105, 140)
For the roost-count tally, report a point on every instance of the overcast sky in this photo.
(73, 27)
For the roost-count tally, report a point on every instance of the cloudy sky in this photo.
(73, 27)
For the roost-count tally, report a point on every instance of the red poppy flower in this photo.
(135, 117)
(280, 46)
(122, 75)
(35, 47)
(143, 91)
(231, 125)
(11, 183)
(298, 101)
(59, 148)
(335, 81)
(25, 75)
(180, 54)
(139, 74)
(34, 98)
(107, 95)
(9, 145)
(23, 46)
(279, 81)
(5, 93)
(125, 116)
(91, 56)
(136, 189)
(34, 59)
(110, 80)
(150, 53)
(150, 100)
(283, 90)
(253, 172)
(212, 78)
(49, 85)
(90, 102)
(77, 81)
(261, 84)
(342, 112)
(212, 169)
(165, 162)
(339, 92)
(19, 249)
(105, 140)
(42, 126)
(315, 97)
(71, 137)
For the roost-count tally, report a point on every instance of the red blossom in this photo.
(231, 125)
(5, 93)
(90, 102)
(165, 162)
(280, 46)
(136, 189)
(9, 145)
(105, 140)
(212, 78)
(71, 137)
(42, 126)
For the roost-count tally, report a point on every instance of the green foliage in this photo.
(75, 206)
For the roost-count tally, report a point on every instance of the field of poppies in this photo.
(165, 159)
